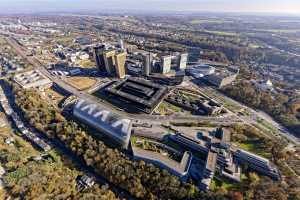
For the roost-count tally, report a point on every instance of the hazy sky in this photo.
(276, 6)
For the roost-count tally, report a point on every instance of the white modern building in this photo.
(166, 62)
(33, 79)
(199, 71)
(106, 122)
(182, 61)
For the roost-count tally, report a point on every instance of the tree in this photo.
(140, 179)
(236, 196)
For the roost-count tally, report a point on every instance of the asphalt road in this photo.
(152, 118)
(254, 115)
(159, 119)
(82, 165)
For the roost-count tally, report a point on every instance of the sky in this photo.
(257, 6)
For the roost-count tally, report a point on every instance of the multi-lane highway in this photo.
(253, 116)
(229, 119)
(61, 83)
(80, 163)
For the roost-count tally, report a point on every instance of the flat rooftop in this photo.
(222, 73)
(30, 79)
(138, 92)
(148, 92)
(211, 161)
(201, 139)
(180, 168)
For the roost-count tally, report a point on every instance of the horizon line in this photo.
(144, 11)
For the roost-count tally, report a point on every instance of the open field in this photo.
(294, 163)
(254, 46)
(223, 33)
(87, 64)
(280, 30)
(66, 41)
(266, 125)
(166, 108)
(2, 41)
(204, 21)
(220, 183)
(2, 194)
(53, 95)
(256, 147)
(249, 139)
(81, 83)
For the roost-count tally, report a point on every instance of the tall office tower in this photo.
(120, 59)
(166, 62)
(147, 64)
(109, 61)
(99, 57)
(121, 44)
(182, 61)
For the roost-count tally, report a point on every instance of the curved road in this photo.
(153, 118)
(143, 117)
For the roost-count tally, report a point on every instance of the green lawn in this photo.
(19, 173)
(205, 21)
(255, 146)
(281, 30)
(2, 41)
(174, 108)
(165, 108)
(267, 125)
(224, 183)
(254, 46)
(87, 63)
(223, 33)
(231, 106)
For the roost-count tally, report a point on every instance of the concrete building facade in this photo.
(120, 60)
(147, 60)
(180, 169)
(182, 61)
(109, 61)
(166, 62)
(99, 58)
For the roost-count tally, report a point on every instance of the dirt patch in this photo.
(81, 83)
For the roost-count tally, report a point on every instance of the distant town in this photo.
(149, 107)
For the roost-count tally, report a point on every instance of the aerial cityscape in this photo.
(147, 103)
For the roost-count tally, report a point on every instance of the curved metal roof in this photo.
(103, 120)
